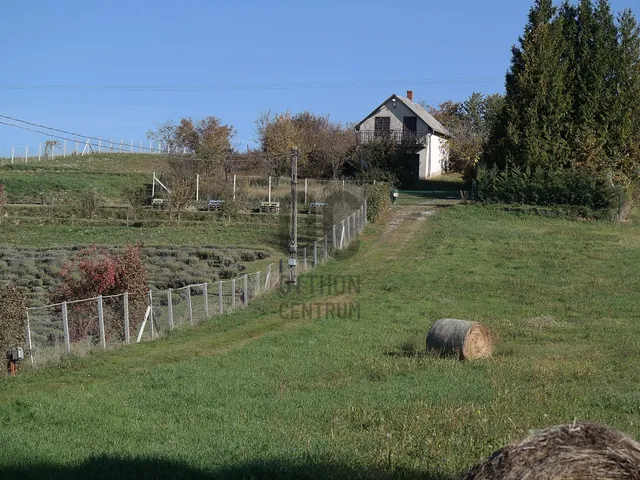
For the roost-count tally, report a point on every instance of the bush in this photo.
(89, 201)
(13, 318)
(378, 199)
(589, 194)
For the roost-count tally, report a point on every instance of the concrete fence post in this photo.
(205, 292)
(257, 283)
(170, 308)
(151, 313)
(26, 153)
(103, 336)
(39, 152)
(246, 289)
(220, 299)
(233, 293)
(333, 244)
(127, 337)
(189, 305)
(315, 254)
(29, 345)
(304, 257)
(13, 149)
(65, 328)
(267, 280)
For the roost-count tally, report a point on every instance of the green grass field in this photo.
(264, 393)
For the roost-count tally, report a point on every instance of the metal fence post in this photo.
(246, 289)
(220, 299)
(189, 306)
(170, 307)
(103, 336)
(233, 293)
(205, 292)
(127, 338)
(65, 327)
(315, 254)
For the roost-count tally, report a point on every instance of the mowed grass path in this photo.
(263, 393)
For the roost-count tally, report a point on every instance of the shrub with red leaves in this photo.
(95, 271)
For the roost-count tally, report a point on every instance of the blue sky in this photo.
(246, 48)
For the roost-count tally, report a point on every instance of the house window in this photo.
(382, 127)
(409, 128)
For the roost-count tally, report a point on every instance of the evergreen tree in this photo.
(536, 102)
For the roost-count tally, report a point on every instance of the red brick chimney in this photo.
(410, 95)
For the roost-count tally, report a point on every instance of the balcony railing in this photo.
(406, 137)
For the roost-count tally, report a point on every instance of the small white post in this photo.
(189, 306)
(99, 146)
(233, 293)
(305, 191)
(315, 254)
(326, 248)
(65, 328)
(304, 258)
(153, 186)
(220, 299)
(29, 345)
(131, 148)
(269, 187)
(246, 289)
(333, 244)
(151, 313)
(170, 307)
(53, 151)
(26, 153)
(12, 153)
(205, 292)
(77, 147)
(365, 211)
(64, 151)
(234, 187)
(39, 152)
(127, 337)
(140, 146)
(267, 280)
(121, 144)
(197, 187)
(103, 336)
(257, 283)
(342, 235)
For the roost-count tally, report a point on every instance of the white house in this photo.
(406, 122)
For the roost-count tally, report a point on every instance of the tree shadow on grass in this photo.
(104, 467)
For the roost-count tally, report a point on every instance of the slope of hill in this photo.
(277, 391)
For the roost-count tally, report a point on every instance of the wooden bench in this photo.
(157, 203)
(270, 207)
(215, 204)
(316, 207)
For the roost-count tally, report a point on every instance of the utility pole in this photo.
(293, 244)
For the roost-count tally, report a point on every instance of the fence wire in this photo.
(77, 326)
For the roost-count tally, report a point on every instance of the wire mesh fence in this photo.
(103, 322)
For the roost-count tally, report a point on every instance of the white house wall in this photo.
(396, 113)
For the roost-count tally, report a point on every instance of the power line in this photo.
(257, 86)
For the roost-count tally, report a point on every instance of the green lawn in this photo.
(263, 393)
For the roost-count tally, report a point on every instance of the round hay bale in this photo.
(449, 336)
(585, 451)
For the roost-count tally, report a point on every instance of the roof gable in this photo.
(419, 110)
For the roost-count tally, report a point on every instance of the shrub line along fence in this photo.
(168, 309)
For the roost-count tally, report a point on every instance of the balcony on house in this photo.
(404, 137)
